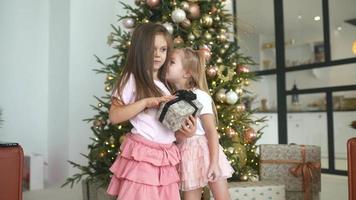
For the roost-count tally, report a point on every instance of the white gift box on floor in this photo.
(33, 172)
(258, 190)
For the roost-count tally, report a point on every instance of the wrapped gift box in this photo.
(259, 190)
(295, 166)
(173, 113)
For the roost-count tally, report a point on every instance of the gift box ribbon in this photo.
(305, 169)
(182, 95)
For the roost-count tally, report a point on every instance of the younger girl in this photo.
(146, 166)
(203, 161)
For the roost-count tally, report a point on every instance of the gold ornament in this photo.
(184, 5)
(194, 11)
(186, 23)
(178, 40)
(244, 177)
(219, 60)
(239, 91)
(221, 96)
(100, 105)
(102, 154)
(222, 37)
(97, 122)
(145, 20)
(240, 108)
(128, 43)
(222, 51)
(217, 18)
(230, 131)
(152, 3)
(112, 140)
(206, 20)
(109, 78)
(108, 88)
(207, 35)
(191, 36)
(246, 82)
(121, 139)
(222, 30)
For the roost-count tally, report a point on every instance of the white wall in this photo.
(46, 79)
(24, 73)
(89, 28)
(58, 110)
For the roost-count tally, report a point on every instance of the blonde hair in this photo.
(194, 62)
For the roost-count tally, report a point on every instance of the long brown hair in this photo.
(194, 62)
(139, 62)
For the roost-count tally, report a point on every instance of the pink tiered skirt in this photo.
(145, 170)
(195, 162)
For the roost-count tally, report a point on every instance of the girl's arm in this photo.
(208, 122)
(119, 112)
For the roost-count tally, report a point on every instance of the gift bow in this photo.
(302, 168)
(307, 170)
(184, 95)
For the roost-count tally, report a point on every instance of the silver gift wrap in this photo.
(279, 160)
(176, 113)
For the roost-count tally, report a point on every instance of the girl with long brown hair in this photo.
(146, 164)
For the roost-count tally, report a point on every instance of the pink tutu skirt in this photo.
(145, 170)
(195, 162)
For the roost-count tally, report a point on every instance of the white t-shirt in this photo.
(207, 102)
(146, 122)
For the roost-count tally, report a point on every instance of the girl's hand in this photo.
(179, 136)
(154, 102)
(213, 172)
(189, 126)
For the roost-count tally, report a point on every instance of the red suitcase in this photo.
(11, 164)
(351, 162)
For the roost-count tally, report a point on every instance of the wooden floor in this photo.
(333, 187)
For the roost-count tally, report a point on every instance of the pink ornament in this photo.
(212, 72)
(153, 3)
(194, 11)
(250, 135)
(242, 68)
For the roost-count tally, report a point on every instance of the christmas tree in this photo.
(204, 25)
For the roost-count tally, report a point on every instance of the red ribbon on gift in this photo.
(307, 170)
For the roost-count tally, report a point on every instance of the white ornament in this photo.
(128, 23)
(178, 15)
(169, 27)
(231, 97)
